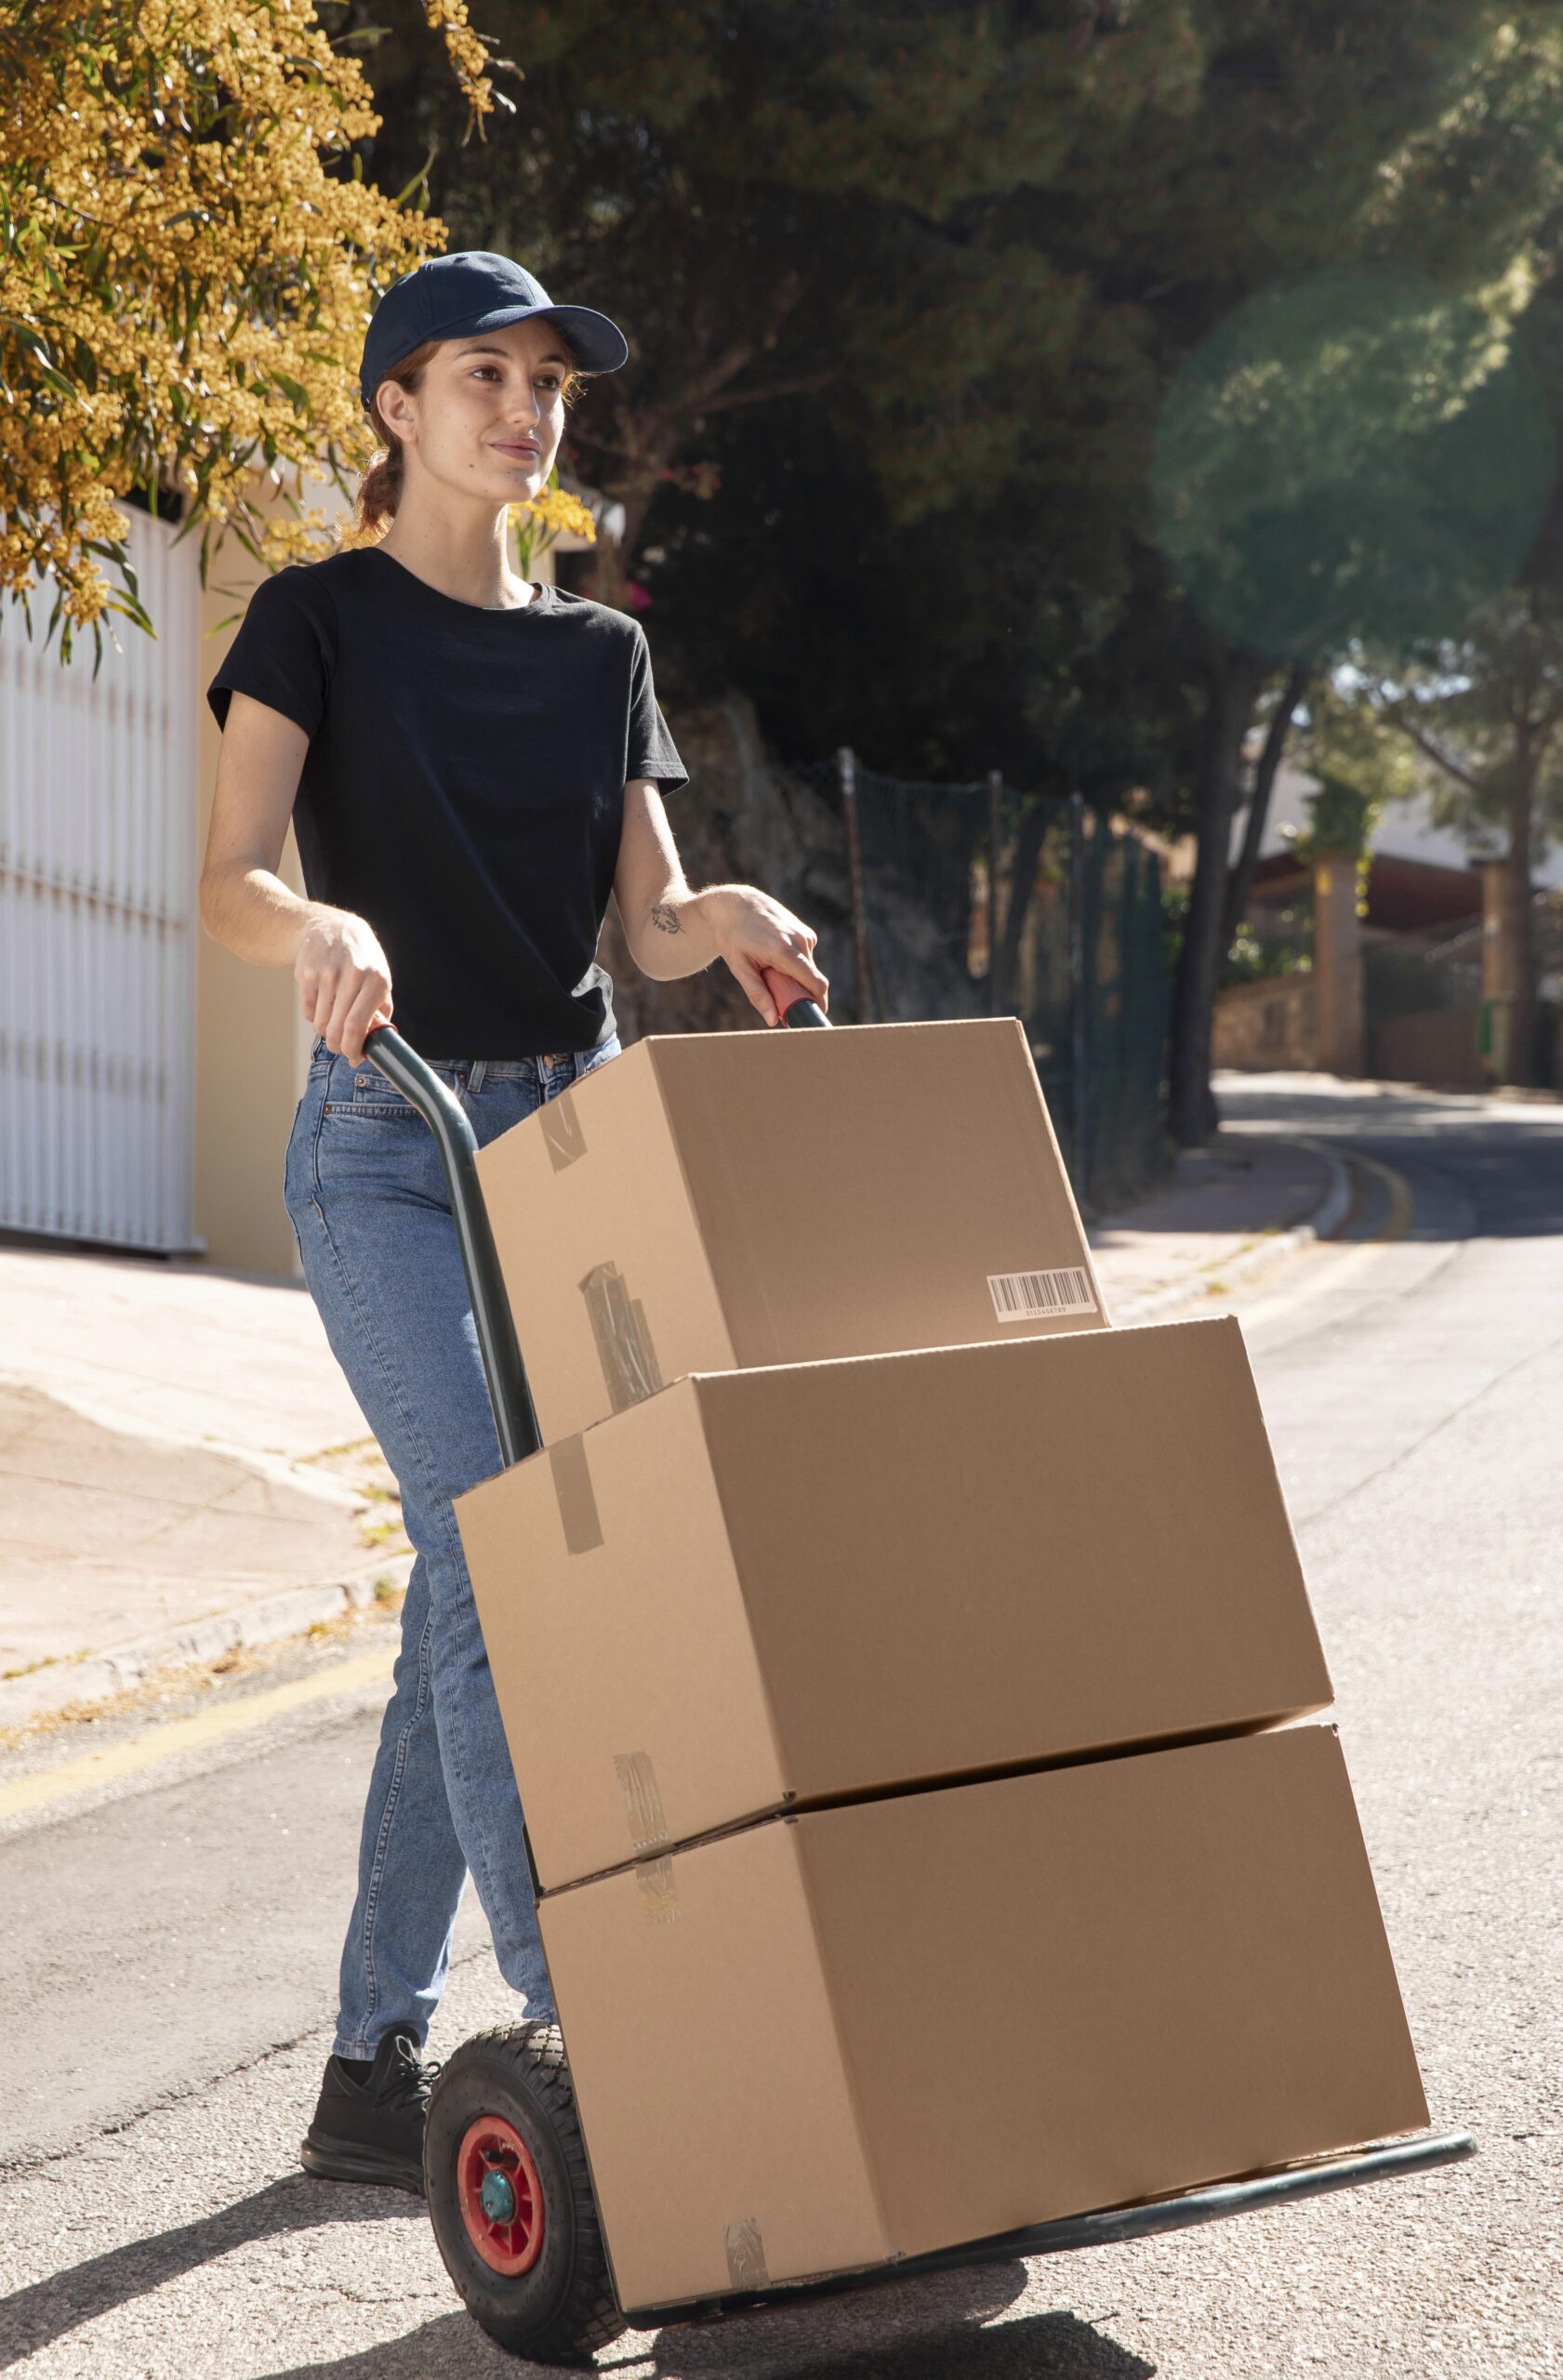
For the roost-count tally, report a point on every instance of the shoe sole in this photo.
(341, 2160)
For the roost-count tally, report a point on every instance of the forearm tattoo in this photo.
(665, 917)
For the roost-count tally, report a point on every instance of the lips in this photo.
(522, 447)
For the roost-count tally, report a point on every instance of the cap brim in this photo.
(599, 344)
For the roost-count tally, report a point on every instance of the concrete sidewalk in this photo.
(183, 1468)
(1229, 1211)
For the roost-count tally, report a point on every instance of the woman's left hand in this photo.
(751, 930)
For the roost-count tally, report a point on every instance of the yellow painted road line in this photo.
(1402, 1205)
(1345, 1257)
(177, 1736)
(1305, 1277)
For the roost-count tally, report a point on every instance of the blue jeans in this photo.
(365, 1190)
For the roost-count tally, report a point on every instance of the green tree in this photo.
(1344, 247)
(791, 208)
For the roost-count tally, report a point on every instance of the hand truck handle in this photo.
(515, 1418)
(794, 1005)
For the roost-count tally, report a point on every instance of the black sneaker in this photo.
(372, 2130)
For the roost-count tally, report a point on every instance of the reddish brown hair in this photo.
(379, 491)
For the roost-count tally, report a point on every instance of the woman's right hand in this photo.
(344, 981)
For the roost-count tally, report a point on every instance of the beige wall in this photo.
(249, 1068)
(252, 1044)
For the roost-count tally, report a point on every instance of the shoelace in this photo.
(409, 2082)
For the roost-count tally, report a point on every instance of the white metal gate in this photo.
(97, 828)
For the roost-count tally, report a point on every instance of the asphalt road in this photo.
(170, 1934)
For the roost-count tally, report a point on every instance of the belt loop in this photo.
(478, 1074)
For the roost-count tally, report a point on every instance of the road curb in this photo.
(92, 1677)
(1324, 1219)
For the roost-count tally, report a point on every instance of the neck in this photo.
(464, 559)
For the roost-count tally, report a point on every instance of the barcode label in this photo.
(1036, 1297)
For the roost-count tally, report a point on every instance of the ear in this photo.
(394, 417)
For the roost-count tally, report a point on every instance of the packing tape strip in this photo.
(746, 2255)
(563, 1136)
(643, 1801)
(572, 1485)
(659, 1893)
(630, 1371)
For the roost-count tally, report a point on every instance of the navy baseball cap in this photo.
(471, 290)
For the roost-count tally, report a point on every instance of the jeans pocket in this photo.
(366, 1094)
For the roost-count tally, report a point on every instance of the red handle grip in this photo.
(787, 993)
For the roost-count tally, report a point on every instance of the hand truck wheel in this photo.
(510, 2195)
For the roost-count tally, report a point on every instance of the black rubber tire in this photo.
(565, 2308)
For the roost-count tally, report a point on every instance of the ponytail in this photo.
(379, 491)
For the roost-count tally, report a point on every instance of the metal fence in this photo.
(978, 899)
(98, 854)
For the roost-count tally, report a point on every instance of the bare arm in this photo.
(344, 982)
(673, 931)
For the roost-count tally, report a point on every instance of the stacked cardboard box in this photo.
(903, 1672)
(712, 1201)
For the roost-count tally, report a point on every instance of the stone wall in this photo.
(1268, 1025)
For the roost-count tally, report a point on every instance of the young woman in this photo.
(473, 763)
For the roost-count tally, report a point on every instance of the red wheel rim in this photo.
(501, 2196)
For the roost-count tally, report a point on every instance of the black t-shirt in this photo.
(464, 786)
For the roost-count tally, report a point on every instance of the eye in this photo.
(486, 367)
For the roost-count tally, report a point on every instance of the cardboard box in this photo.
(824, 1580)
(870, 2032)
(710, 1201)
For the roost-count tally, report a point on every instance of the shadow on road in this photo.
(934, 2325)
(32, 2317)
(788, 2347)
(1038, 2347)
(1478, 1168)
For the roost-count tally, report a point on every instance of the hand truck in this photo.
(507, 2173)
